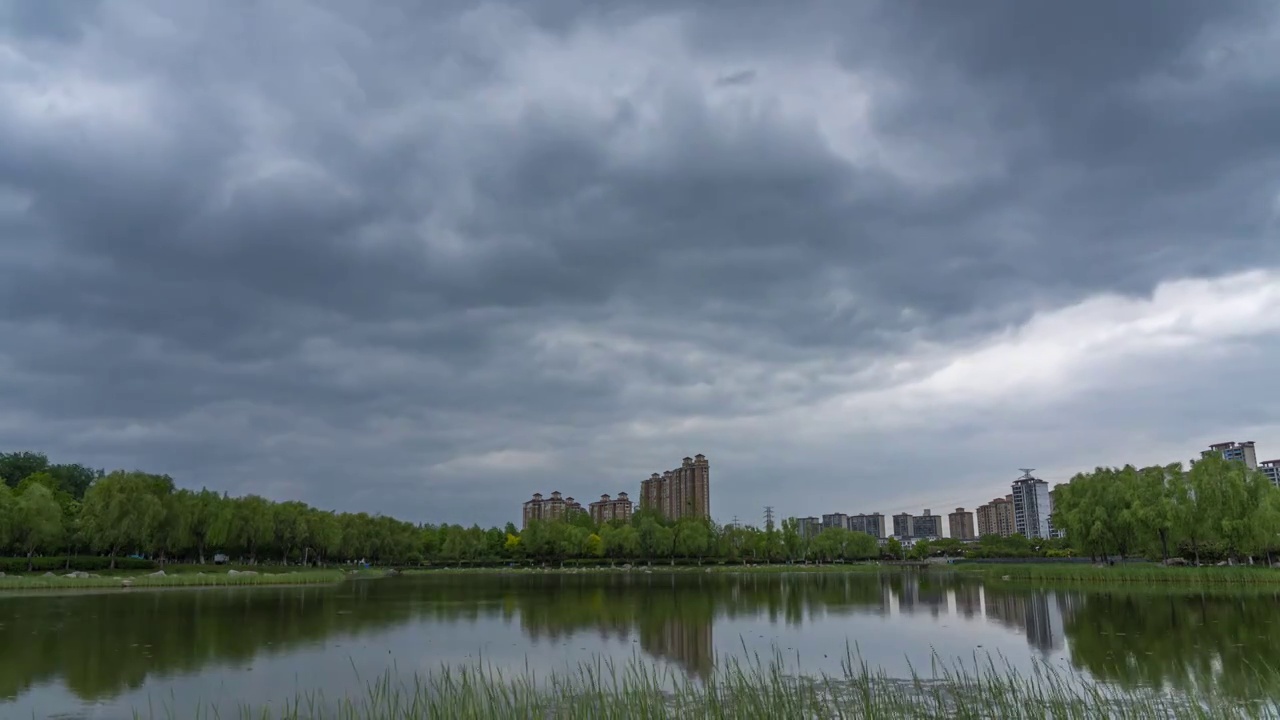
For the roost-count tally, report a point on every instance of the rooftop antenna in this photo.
(1026, 472)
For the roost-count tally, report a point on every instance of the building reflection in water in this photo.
(1038, 613)
(672, 617)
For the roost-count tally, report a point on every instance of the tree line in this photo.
(1214, 510)
(48, 509)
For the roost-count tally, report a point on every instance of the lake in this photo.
(102, 655)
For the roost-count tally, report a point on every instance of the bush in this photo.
(87, 563)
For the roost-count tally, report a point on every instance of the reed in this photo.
(751, 689)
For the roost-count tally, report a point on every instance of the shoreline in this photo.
(46, 584)
(1047, 574)
(1059, 573)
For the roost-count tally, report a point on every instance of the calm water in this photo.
(100, 655)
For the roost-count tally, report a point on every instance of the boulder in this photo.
(158, 573)
(242, 572)
(77, 574)
(49, 574)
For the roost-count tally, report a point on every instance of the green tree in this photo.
(38, 521)
(290, 529)
(893, 548)
(120, 510)
(594, 546)
(18, 466)
(8, 510)
(792, 542)
(256, 523)
(326, 534)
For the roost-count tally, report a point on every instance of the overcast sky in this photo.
(427, 258)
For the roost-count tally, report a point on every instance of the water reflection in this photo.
(100, 646)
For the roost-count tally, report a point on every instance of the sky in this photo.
(426, 259)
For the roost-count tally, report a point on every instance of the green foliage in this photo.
(893, 548)
(1217, 509)
(37, 521)
(73, 480)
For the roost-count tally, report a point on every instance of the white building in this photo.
(1239, 451)
(1031, 507)
(1271, 468)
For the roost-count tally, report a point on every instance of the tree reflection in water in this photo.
(100, 645)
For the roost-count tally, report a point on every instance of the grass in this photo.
(748, 690)
(659, 566)
(223, 579)
(1127, 573)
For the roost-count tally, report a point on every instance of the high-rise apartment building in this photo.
(926, 525)
(606, 509)
(808, 527)
(870, 523)
(1242, 451)
(960, 523)
(555, 507)
(1271, 468)
(903, 526)
(996, 517)
(1031, 507)
(680, 493)
(835, 520)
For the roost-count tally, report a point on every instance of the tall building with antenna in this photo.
(1032, 506)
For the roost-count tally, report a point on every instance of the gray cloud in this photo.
(415, 259)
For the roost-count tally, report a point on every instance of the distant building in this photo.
(871, 524)
(1055, 532)
(605, 509)
(554, 508)
(960, 523)
(680, 493)
(1031, 507)
(996, 517)
(1241, 451)
(928, 525)
(1271, 468)
(835, 520)
(917, 527)
(903, 526)
(809, 527)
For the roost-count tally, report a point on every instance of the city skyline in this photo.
(1027, 508)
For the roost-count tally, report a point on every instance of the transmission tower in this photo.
(735, 522)
(768, 517)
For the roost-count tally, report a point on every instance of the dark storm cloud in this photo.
(312, 241)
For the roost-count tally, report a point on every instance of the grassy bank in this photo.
(1136, 573)
(658, 567)
(223, 579)
(747, 690)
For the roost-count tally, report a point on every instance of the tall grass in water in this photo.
(748, 690)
